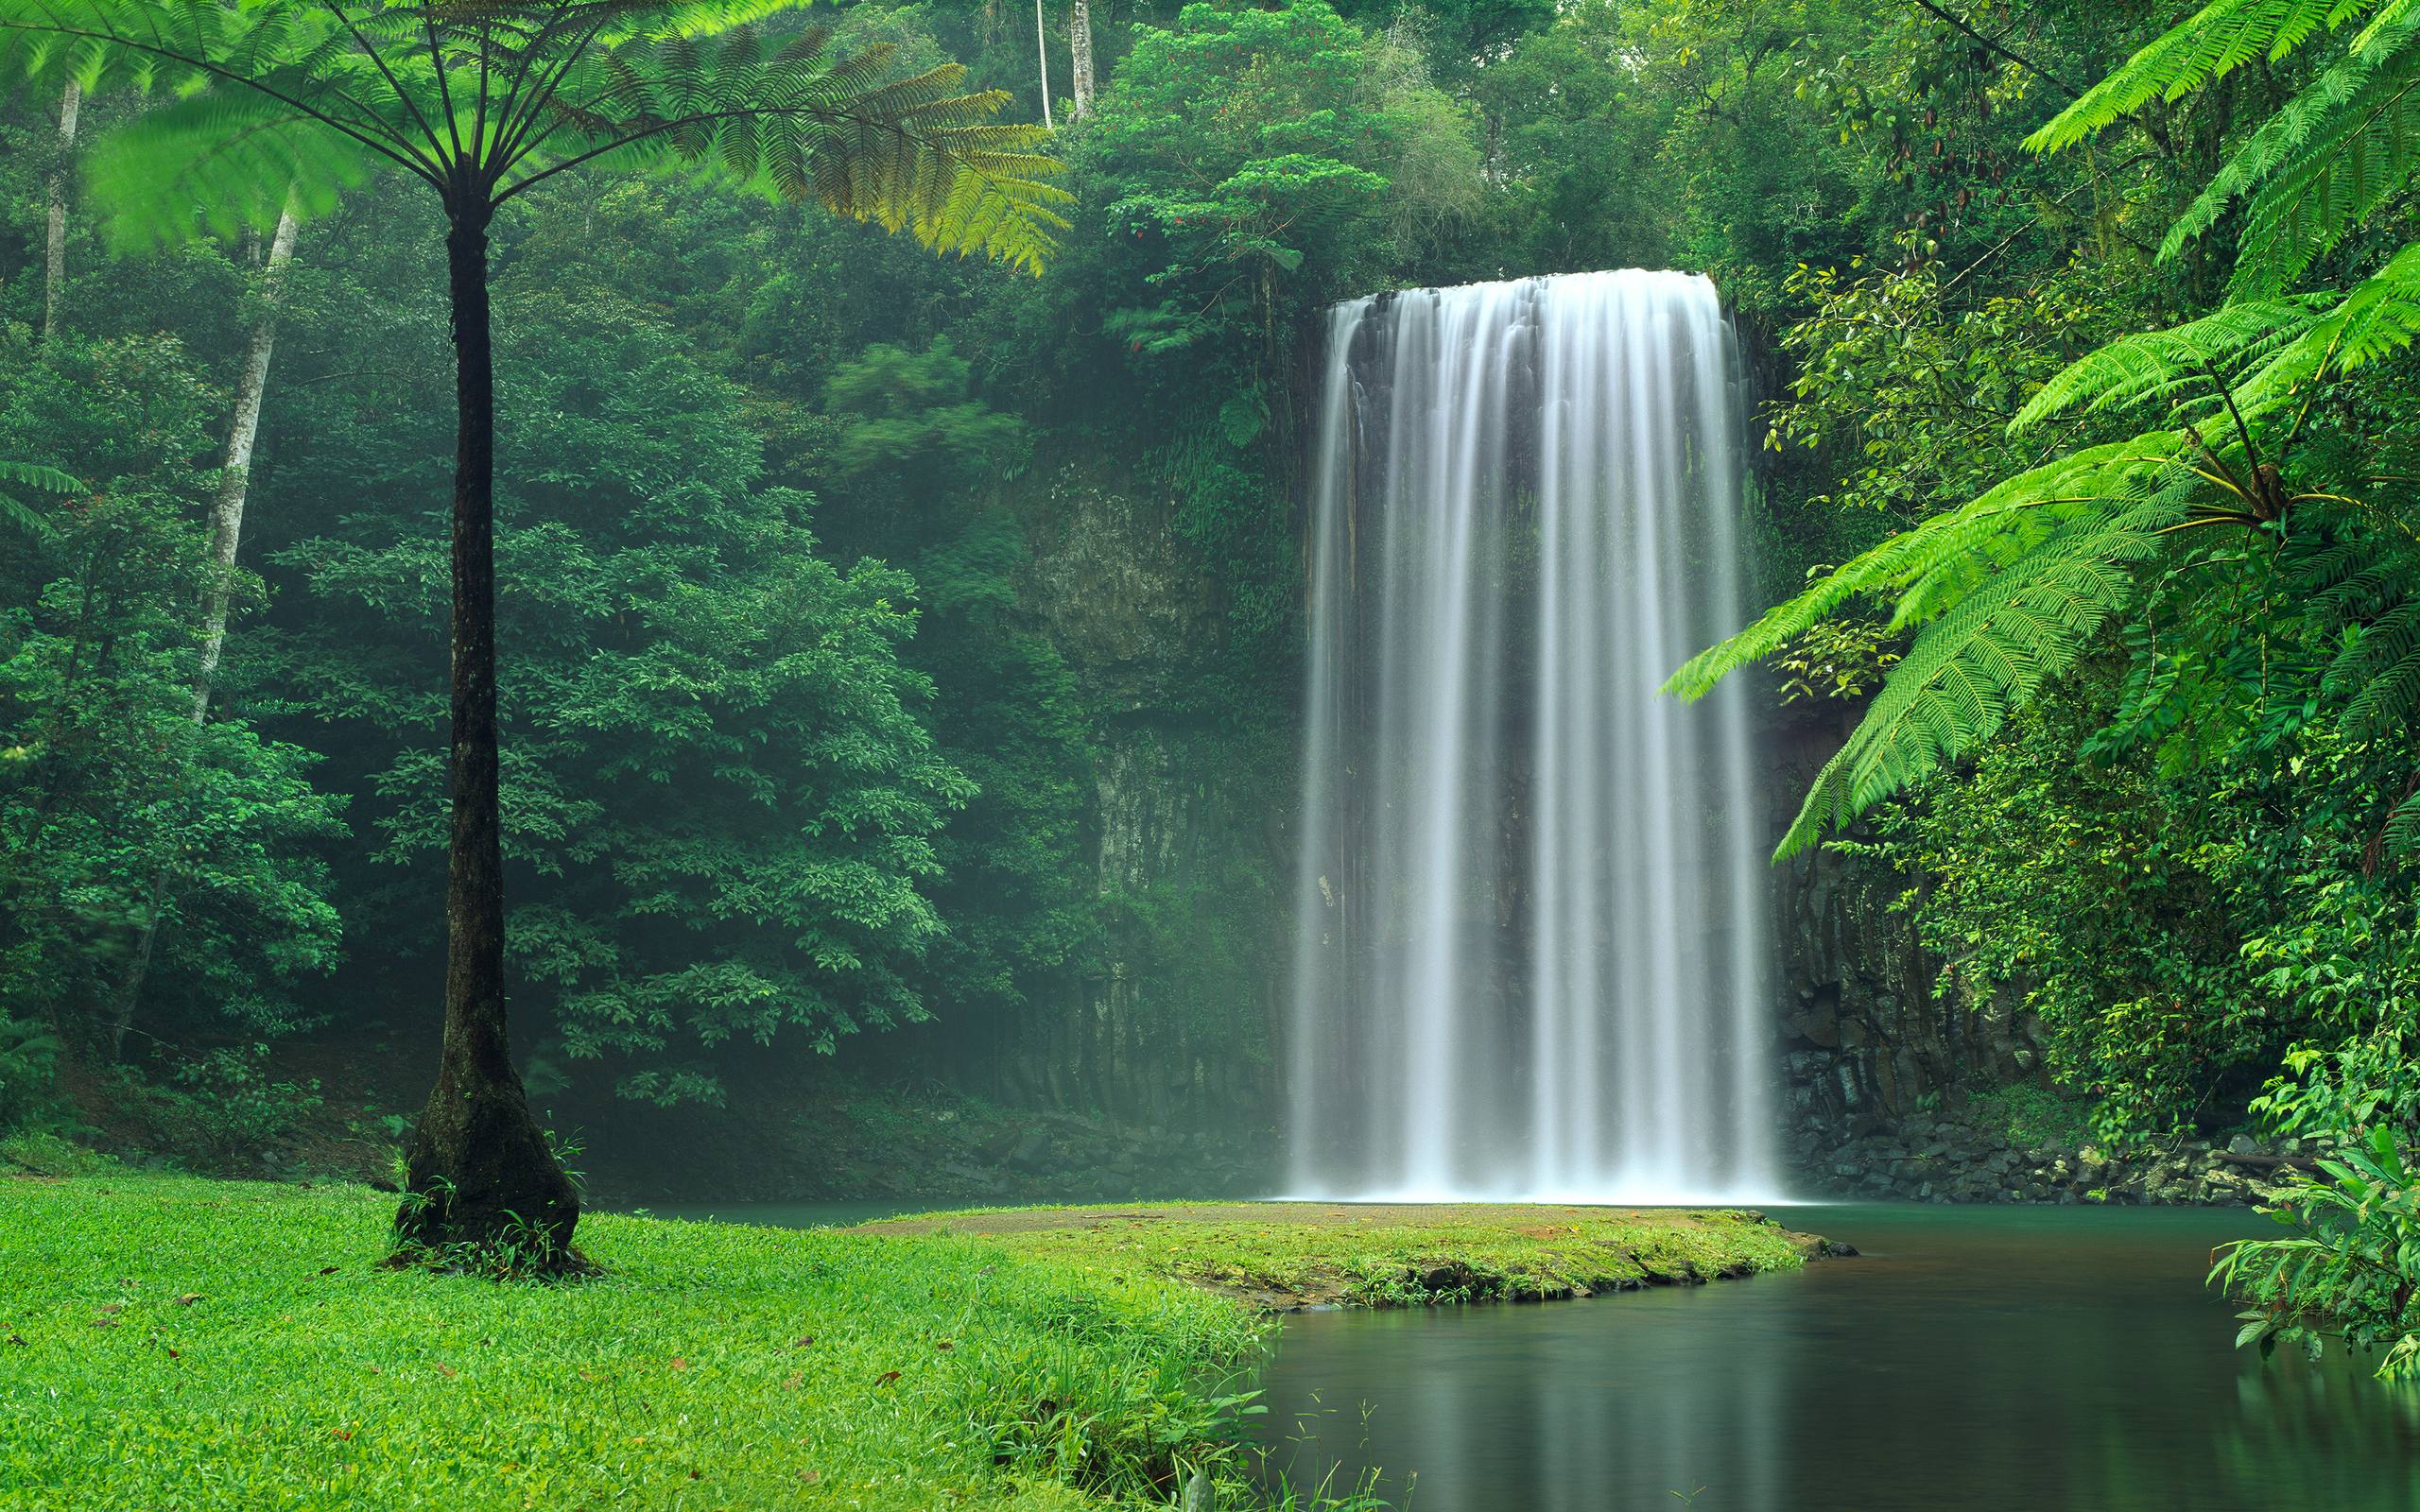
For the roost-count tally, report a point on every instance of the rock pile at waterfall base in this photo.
(1944, 1161)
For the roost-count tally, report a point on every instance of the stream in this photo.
(1983, 1359)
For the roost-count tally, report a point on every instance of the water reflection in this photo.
(1997, 1360)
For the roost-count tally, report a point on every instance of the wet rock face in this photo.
(1863, 1044)
(1161, 1016)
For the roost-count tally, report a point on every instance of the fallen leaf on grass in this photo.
(679, 1364)
(188, 1299)
(810, 1477)
(886, 1378)
(804, 1343)
(791, 1384)
(340, 1432)
(447, 1371)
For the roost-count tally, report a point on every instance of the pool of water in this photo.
(1976, 1359)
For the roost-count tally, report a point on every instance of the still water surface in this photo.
(1977, 1359)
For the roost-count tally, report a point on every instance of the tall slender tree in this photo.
(1080, 58)
(54, 258)
(483, 101)
(236, 472)
(1041, 54)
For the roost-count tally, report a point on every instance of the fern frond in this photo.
(31, 475)
(2361, 148)
(1921, 573)
(217, 162)
(1980, 662)
(911, 154)
(2378, 318)
(2358, 95)
(2207, 45)
(2159, 365)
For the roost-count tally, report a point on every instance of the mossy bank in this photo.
(175, 1345)
(1278, 1256)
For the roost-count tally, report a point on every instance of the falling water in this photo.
(1532, 951)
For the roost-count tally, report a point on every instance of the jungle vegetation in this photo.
(2089, 412)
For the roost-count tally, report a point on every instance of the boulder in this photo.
(1031, 1152)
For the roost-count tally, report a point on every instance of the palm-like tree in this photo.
(279, 101)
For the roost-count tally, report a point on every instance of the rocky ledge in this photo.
(1941, 1160)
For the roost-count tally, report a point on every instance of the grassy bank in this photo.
(171, 1343)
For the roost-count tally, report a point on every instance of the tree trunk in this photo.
(226, 534)
(478, 1171)
(235, 476)
(1041, 49)
(1079, 48)
(70, 102)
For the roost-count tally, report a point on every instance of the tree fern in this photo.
(272, 95)
(2011, 589)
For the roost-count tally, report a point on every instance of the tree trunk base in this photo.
(482, 1185)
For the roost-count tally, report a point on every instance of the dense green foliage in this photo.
(119, 808)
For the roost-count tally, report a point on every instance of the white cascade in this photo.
(1532, 953)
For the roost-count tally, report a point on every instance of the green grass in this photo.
(1384, 1256)
(172, 1344)
(189, 1343)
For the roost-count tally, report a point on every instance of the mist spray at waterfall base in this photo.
(1532, 956)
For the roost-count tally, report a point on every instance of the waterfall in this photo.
(1532, 954)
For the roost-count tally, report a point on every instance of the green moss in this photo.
(47, 1152)
(1284, 1254)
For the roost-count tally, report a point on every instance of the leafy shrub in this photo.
(2348, 1272)
(2033, 1115)
(28, 1063)
(226, 1104)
